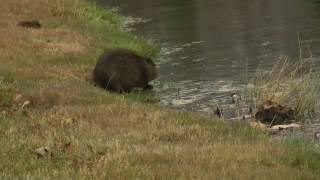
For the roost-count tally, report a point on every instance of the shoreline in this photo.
(46, 102)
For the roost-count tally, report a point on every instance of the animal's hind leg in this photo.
(148, 87)
(118, 88)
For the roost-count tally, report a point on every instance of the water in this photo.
(210, 47)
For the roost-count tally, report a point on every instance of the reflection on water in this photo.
(211, 46)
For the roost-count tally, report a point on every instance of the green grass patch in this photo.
(301, 154)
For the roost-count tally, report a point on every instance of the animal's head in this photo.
(151, 68)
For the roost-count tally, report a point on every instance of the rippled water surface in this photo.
(210, 46)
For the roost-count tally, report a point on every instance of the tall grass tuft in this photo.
(287, 84)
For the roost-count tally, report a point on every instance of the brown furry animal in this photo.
(121, 70)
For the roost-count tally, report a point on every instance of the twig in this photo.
(300, 53)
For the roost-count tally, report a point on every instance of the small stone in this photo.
(247, 116)
(177, 102)
(18, 97)
(68, 120)
(236, 98)
(26, 104)
(4, 113)
(42, 151)
(285, 126)
(266, 43)
(317, 136)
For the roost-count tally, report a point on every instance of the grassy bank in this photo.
(46, 100)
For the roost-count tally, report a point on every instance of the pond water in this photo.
(210, 47)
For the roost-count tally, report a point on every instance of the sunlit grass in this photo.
(94, 134)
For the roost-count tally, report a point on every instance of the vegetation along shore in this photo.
(54, 124)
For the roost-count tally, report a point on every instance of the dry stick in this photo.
(237, 110)
(300, 53)
(274, 117)
(247, 62)
(220, 111)
(107, 85)
(309, 51)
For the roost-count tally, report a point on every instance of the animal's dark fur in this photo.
(121, 70)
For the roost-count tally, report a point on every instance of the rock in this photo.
(4, 113)
(178, 102)
(26, 104)
(236, 98)
(67, 120)
(246, 116)
(285, 126)
(42, 151)
(18, 97)
(266, 43)
(274, 129)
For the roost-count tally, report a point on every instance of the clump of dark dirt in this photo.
(30, 24)
(274, 114)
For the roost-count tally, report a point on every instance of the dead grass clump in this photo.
(47, 98)
(59, 41)
(43, 42)
(289, 85)
(49, 40)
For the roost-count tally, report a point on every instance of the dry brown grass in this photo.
(292, 84)
(93, 134)
(124, 141)
(26, 52)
